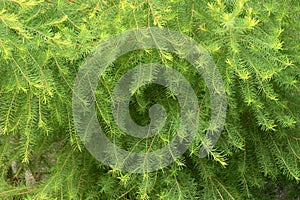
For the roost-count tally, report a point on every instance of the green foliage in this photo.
(255, 45)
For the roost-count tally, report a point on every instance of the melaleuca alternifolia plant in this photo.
(43, 44)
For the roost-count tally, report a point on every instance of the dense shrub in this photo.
(255, 45)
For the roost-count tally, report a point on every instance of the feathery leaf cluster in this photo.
(255, 45)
